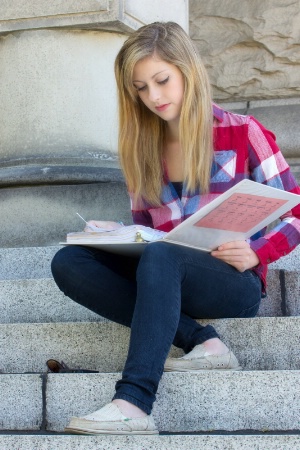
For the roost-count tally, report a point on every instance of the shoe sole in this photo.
(93, 432)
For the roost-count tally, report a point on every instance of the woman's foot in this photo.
(215, 347)
(110, 420)
(128, 409)
(213, 354)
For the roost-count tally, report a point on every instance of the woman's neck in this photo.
(172, 132)
(173, 155)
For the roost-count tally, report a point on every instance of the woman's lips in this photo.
(162, 107)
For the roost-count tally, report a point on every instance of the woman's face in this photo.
(160, 86)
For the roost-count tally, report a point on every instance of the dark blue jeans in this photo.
(158, 296)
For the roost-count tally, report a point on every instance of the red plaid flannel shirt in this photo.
(243, 148)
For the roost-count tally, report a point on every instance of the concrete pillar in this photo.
(58, 114)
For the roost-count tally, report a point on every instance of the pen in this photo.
(92, 227)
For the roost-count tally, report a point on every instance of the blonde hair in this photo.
(141, 132)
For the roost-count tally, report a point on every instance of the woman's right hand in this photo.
(103, 224)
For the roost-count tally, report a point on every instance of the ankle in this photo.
(215, 346)
(129, 409)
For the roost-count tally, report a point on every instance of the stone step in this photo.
(43, 215)
(186, 402)
(264, 343)
(40, 300)
(26, 262)
(38, 225)
(34, 262)
(162, 442)
(29, 294)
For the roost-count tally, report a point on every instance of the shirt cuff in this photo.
(265, 251)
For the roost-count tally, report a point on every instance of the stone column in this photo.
(58, 114)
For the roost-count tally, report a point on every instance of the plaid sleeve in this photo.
(140, 214)
(268, 166)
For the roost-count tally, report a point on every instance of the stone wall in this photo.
(251, 48)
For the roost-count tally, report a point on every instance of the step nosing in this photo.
(161, 433)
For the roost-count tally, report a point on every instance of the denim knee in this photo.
(65, 261)
(60, 260)
(161, 252)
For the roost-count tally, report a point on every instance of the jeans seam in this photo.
(242, 313)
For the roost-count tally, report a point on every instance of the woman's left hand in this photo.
(238, 254)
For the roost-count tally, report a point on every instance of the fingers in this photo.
(234, 245)
(238, 254)
(101, 225)
(233, 250)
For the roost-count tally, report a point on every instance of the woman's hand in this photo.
(103, 224)
(238, 254)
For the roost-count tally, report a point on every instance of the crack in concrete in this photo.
(44, 378)
(283, 293)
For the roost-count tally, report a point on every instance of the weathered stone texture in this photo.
(251, 49)
(40, 8)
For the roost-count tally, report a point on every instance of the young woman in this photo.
(178, 152)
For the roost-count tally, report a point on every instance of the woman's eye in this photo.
(141, 88)
(164, 81)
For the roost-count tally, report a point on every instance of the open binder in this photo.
(235, 215)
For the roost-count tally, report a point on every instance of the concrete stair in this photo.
(186, 402)
(28, 293)
(178, 442)
(262, 343)
(257, 408)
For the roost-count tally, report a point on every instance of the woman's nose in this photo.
(154, 94)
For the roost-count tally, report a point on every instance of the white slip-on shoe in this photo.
(110, 420)
(197, 360)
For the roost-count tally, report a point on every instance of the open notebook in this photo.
(237, 214)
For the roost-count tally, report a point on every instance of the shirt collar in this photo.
(218, 112)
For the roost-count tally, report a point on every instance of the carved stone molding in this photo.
(111, 15)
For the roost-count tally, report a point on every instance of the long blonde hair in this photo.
(141, 132)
